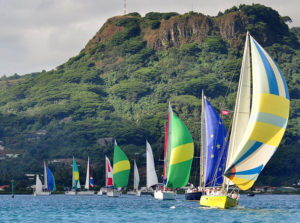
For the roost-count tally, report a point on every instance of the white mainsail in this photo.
(45, 177)
(136, 179)
(242, 105)
(241, 113)
(203, 145)
(87, 179)
(38, 185)
(151, 173)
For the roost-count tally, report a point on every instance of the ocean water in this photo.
(61, 208)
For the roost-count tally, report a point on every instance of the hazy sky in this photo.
(38, 35)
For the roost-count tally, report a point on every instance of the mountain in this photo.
(118, 87)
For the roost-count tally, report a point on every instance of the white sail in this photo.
(78, 185)
(241, 113)
(151, 173)
(87, 179)
(45, 177)
(203, 145)
(38, 185)
(242, 105)
(136, 179)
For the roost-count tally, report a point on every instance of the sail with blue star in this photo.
(216, 147)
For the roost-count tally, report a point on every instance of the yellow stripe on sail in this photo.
(121, 166)
(243, 184)
(182, 153)
(267, 133)
(274, 104)
(76, 175)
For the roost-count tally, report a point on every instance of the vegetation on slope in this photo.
(119, 85)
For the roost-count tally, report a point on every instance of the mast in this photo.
(87, 179)
(168, 151)
(202, 147)
(73, 177)
(45, 177)
(241, 113)
(165, 153)
(106, 174)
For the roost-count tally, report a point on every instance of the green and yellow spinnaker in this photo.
(182, 152)
(75, 174)
(121, 168)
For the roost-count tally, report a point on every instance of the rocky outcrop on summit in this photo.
(179, 30)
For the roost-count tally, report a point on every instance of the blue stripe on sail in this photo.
(282, 78)
(269, 71)
(255, 170)
(272, 119)
(253, 148)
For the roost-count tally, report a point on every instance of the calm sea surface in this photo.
(61, 208)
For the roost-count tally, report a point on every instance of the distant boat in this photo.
(75, 180)
(89, 181)
(150, 170)
(49, 183)
(179, 152)
(109, 184)
(121, 171)
(136, 181)
(258, 125)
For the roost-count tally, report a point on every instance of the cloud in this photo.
(42, 34)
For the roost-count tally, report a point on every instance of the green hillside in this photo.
(118, 87)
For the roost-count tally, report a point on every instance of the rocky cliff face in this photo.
(179, 30)
(174, 31)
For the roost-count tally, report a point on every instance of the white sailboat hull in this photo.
(131, 193)
(70, 193)
(113, 194)
(43, 193)
(102, 191)
(86, 193)
(164, 195)
(138, 193)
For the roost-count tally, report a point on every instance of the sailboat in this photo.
(89, 181)
(109, 184)
(179, 152)
(49, 183)
(213, 152)
(259, 123)
(136, 181)
(75, 180)
(121, 170)
(150, 169)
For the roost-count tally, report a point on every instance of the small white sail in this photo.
(38, 185)
(151, 174)
(45, 177)
(87, 179)
(136, 179)
(78, 185)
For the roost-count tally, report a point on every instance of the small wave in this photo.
(172, 207)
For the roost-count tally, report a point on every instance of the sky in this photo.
(38, 35)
